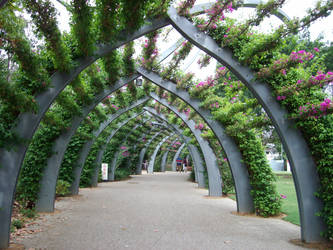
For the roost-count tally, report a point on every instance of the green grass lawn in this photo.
(285, 186)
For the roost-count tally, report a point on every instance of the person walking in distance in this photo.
(145, 165)
(184, 165)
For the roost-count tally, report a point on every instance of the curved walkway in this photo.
(159, 211)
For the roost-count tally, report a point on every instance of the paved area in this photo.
(159, 211)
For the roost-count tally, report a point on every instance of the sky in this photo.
(293, 8)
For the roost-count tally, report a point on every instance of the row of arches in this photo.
(303, 167)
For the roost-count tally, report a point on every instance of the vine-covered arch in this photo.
(198, 161)
(29, 122)
(101, 151)
(214, 176)
(238, 168)
(303, 167)
(150, 169)
(46, 196)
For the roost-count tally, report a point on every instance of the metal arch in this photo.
(114, 161)
(100, 154)
(303, 168)
(192, 148)
(84, 153)
(200, 9)
(185, 139)
(174, 161)
(141, 156)
(60, 145)
(46, 196)
(198, 162)
(115, 158)
(164, 157)
(143, 151)
(164, 161)
(98, 160)
(214, 176)
(150, 169)
(171, 49)
(237, 167)
(27, 124)
(157, 149)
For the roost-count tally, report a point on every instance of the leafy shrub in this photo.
(192, 176)
(17, 224)
(62, 188)
(30, 213)
(121, 174)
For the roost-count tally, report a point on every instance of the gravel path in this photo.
(159, 211)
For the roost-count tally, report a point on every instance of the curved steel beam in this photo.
(164, 161)
(153, 156)
(114, 159)
(46, 196)
(198, 162)
(200, 8)
(98, 160)
(164, 158)
(303, 168)
(144, 149)
(100, 154)
(27, 123)
(174, 161)
(84, 153)
(237, 167)
(214, 176)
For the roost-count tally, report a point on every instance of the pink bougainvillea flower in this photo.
(283, 196)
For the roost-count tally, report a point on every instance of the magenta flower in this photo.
(316, 49)
(283, 196)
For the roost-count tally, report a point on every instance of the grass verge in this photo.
(285, 187)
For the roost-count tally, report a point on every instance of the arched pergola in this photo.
(46, 196)
(198, 161)
(303, 167)
(102, 150)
